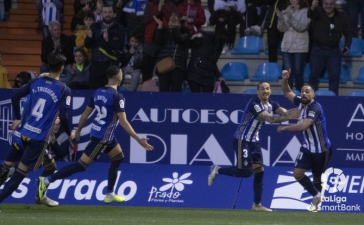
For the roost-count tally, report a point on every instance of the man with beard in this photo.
(315, 151)
(246, 141)
(106, 38)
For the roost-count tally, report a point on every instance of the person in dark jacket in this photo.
(56, 41)
(173, 42)
(329, 26)
(202, 70)
(77, 74)
(106, 39)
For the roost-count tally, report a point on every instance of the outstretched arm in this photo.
(285, 86)
(129, 129)
(82, 121)
(284, 115)
(297, 127)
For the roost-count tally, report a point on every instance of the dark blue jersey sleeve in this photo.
(255, 107)
(63, 116)
(15, 99)
(297, 100)
(65, 99)
(313, 112)
(119, 103)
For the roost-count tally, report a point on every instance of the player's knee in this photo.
(116, 160)
(317, 179)
(298, 174)
(51, 167)
(259, 169)
(245, 173)
(83, 165)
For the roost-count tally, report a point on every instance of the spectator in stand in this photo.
(202, 70)
(230, 13)
(81, 34)
(174, 42)
(50, 12)
(255, 15)
(21, 79)
(294, 22)
(7, 7)
(154, 9)
(4, 82)
(354, 8)
(329, 26)
(56, 41)
(106, 40)
(134, 10)
(133, 59)
(273, 34)
(81, 7)
(98, 10)
(77, 74)
(192, 15)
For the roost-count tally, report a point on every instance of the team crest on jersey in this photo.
(311, 113)
(68, 100)
(121, 103)
(245, 162)
(257, 108)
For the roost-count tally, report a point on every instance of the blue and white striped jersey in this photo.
(315, 137)
(107, 102)
(49, 12)
(249, 127)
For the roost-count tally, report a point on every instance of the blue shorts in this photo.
(97, 146)
(248, 153)
(317, 162)
(34, 151)
(15, 153)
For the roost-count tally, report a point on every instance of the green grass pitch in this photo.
(14, 214)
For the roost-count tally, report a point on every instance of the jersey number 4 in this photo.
(38, 109)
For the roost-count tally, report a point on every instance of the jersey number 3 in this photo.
(37, 110)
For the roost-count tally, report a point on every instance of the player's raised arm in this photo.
(129, 129)
(285, 86)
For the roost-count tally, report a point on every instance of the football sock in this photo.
(12, 184)
(235, 172)
(68, 171)
(113, 172)
(258, 184)
(318, 185)
(307, 184)
(4, 169)
(49, 170)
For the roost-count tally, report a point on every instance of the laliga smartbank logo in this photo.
(334, 181)
(170, 192)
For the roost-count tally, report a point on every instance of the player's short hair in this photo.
(309, 85)
(112, 71)
(261, 82)
(55, 61)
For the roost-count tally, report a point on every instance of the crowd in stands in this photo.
(138, 35)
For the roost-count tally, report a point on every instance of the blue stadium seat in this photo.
(250, 92)
(248, 45)
(360, 78)
(357, 93)
(235, 71)
(324, 93)
(267, 72)
(296, 92)
(356, 48)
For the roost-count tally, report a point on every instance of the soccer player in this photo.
(315, 151)
(110, 108)
(246, 142)
(48, 98)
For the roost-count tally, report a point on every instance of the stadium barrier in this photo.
(197, 129)
(186, 187)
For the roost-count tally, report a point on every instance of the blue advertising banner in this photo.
(197, 129)
(186, 186)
